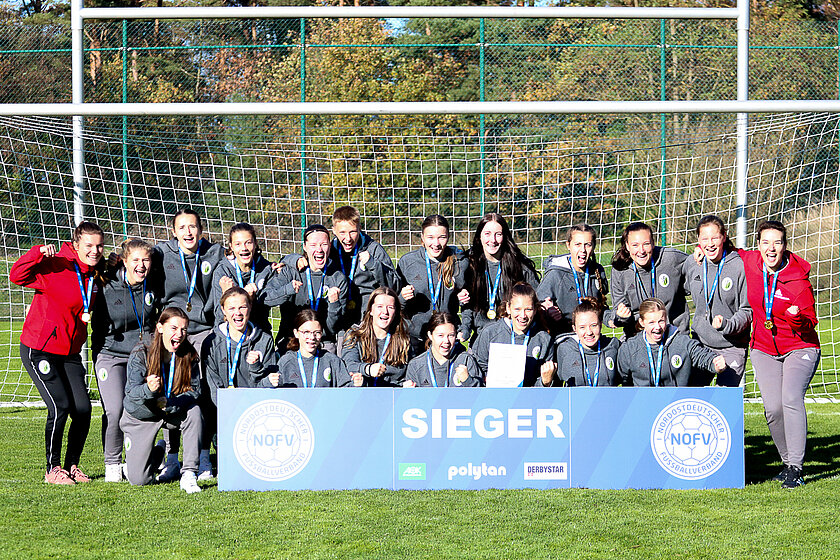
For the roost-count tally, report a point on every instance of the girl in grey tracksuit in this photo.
(242, 362)
(661, 355)
(123, 316)
(718, 287)
(161, 391)
(431, 277)
(445, 363)
(641, 271)
(245, 267)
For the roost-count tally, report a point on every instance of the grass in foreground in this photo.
(100, 520)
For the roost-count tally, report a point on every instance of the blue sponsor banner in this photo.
(480, 438)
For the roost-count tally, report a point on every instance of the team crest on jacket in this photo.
(676, 361)
(103, 374)
(260, 283)
(150, 298)
(726, 284)
(206, 267)
(609, 362)
(328, 375)
(536, 352)
(44, 367)
(664, 280)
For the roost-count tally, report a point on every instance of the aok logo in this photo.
(690, 439)
(412, 471)
(273, 440)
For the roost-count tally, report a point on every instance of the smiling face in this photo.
(317, 248)
(90, 247)
(588, 328)
(347, 234)
(772, 248)
(581, 247)
(187, 232)
(442, 340)
(435, 239)
(243, 245)
(640, 246)
(237, 311)
(309, 336)
(522, 311)
(173, 332)
(711, 241)
(491, 240)
(382, 311)
(654, 323)
(137, 264)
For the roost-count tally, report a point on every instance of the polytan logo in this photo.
(546, 471)
(273, 440)
(690, 439)
(412, 471)
(475, 472)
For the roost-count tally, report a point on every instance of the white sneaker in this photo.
(188, 483)
(205, 467)
(113, 473)
(171, 470)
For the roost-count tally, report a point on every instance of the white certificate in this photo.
(506, 366)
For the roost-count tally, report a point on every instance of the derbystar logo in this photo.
(476, 471)
(412, 471)
(546, 471)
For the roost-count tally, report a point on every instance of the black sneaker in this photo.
(793, 478)
(782, 475)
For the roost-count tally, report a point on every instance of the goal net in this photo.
(280, 176)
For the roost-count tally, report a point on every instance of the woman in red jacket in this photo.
(785, 347)
(55, 328)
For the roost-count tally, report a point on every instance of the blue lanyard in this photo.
(313, 300)
(434, 293)
(140, 321)
(768, 296)
(652, 278)
(656, 372)
(303, 371)
(239, 273)
(581, 290)
(385, 349)
(353, 260)
(493, 289)
(432, 370)
(171, 376)
(513, 335)
(85, 296)
(593, 382)
(233, 361)
(710, 295)
(190, 282)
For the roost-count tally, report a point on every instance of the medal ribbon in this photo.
(303, 371)
(581, 290)
(656, 372)
(233, 361)
(353, 261)
(710, 295)
(493, 289)
(239, 274)
(513, 335)
(432, 371)
(171, 377)
(140, 321)
(190, 282)
(86, 296)
(768, 296)
(652, 279)
(592, 382)
(314, 301)
(434, 293)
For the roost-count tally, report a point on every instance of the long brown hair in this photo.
(621, 259)
(185, 354)
(446, 268)
(304, 316)
(437, 319)
(365, 338)
(525, 289)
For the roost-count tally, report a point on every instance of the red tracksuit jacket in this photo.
(790, 332)
(54, 322)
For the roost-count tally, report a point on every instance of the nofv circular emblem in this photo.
(690, 439)
(273, 440)
(664, 280)
(726, 284)
(206, 267)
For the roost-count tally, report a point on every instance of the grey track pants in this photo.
(736, 365)
(140, 458)
(783, 381)
(110, 378)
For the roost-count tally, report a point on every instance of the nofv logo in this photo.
(412, 471)
(273, 440)
(690, 439)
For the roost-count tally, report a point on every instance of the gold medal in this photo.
(768, 324)
(86, 317)
(189, 307)
(351, 305)
(491, 314)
